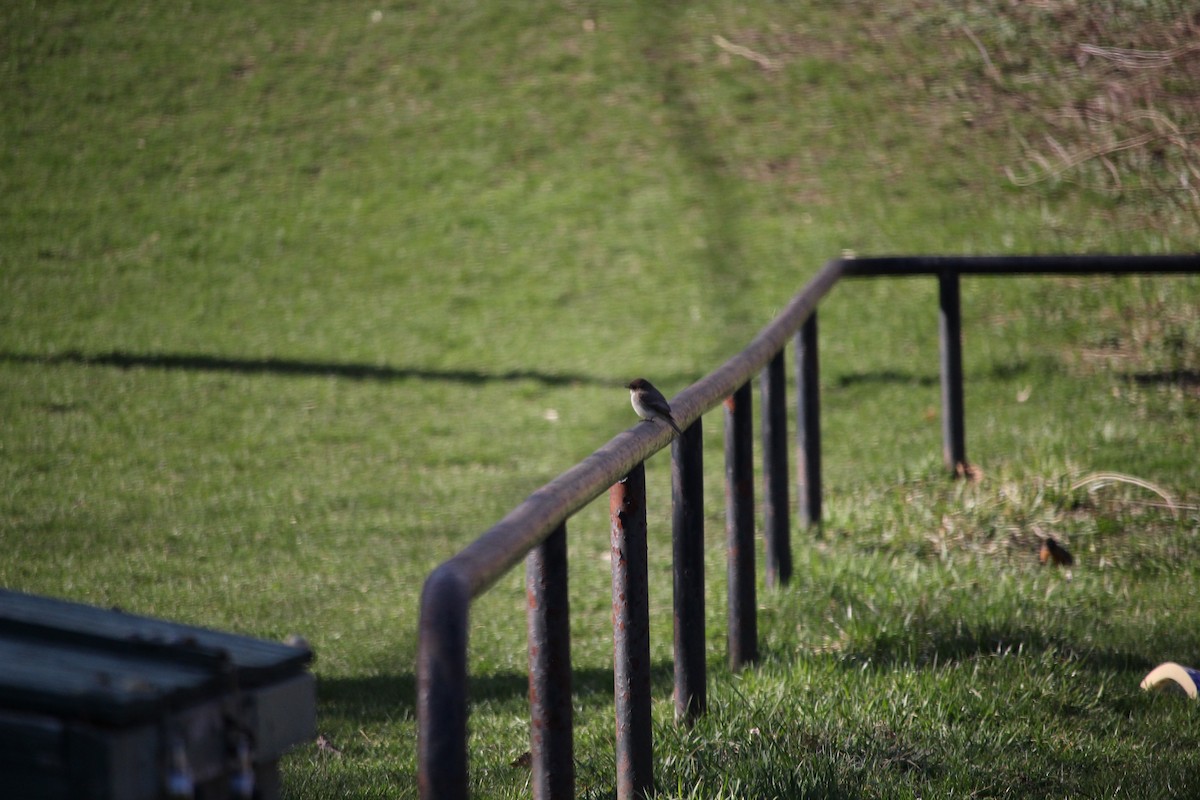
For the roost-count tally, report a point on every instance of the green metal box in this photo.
(97, 704)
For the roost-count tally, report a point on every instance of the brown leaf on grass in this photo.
(1054, 553)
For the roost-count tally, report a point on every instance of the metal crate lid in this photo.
(111, 668)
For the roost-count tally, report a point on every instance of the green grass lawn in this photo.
(296, 300)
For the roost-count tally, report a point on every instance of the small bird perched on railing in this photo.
(649, 402)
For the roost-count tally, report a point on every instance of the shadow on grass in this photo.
(1183, 378)
(378, 698)
(999, 372)
(962, 643)
(886, 376)
(289, 367)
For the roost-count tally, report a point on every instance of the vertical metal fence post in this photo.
(551, 733)
(442, 687)
(808, 424)
(739, 528)
(631, 634)
(687, 522)
(776, 516)
(954, 444)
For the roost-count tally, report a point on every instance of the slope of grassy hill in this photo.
(295, 300)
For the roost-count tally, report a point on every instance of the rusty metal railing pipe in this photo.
(631, 635)
(551, 727)
(954, 437)
(808, 423)
(739, 529)
(777, 518)
(902, 266)
(450, 588)
(442, 685)
(687, 561)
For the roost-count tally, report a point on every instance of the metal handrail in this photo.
(537, 528)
